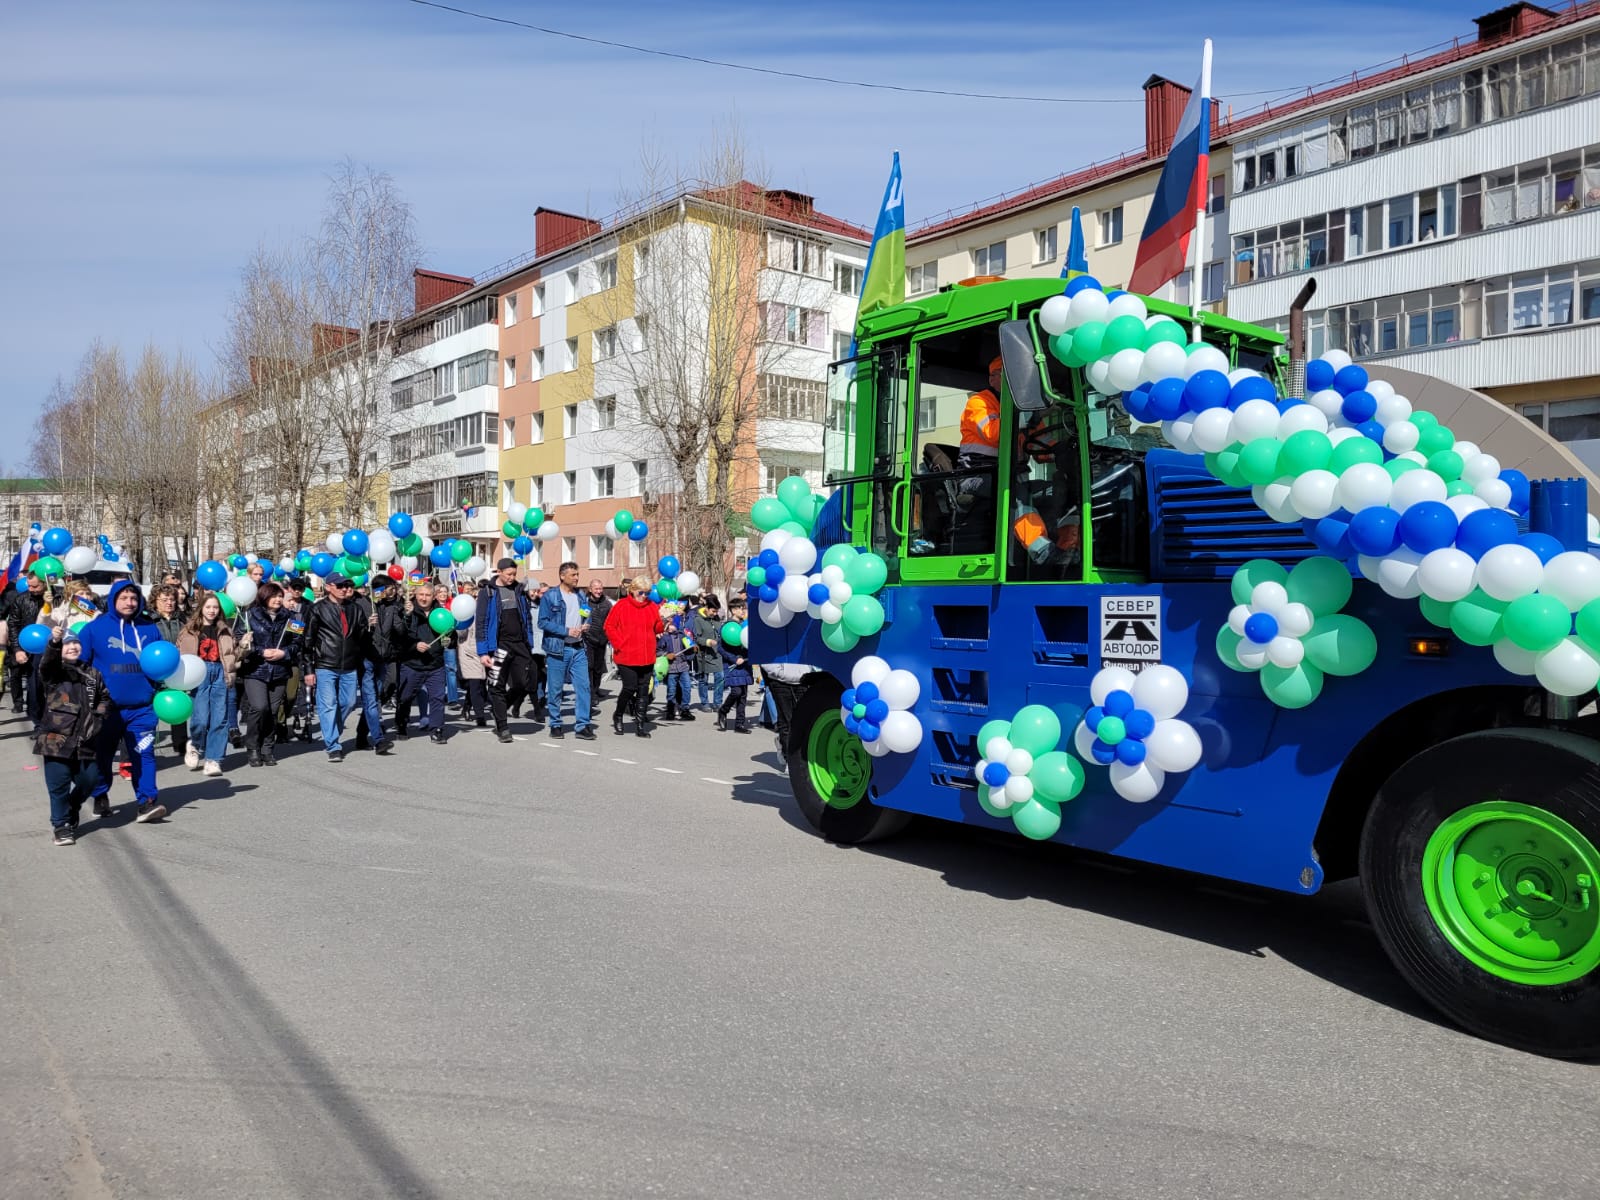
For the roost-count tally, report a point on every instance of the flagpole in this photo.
(1196, 313)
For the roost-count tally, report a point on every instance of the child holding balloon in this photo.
(75, 703)
(735, 669)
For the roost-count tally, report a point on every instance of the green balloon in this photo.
(1537, 622)
(863, 615)
(840, 556)
(441, 621)
(47, 567)
(1589, 624)
(988, 805)
(1479, 619)
(1446, 464)
(1434, 439)
(1352, 451)
(992, 730)
(1258, 461)
(1341, 645)
(1228, 643)
(662, 666)
(76, 627)
(1061, 349)
(172, 706)
(1112, 730)
(766, 514)
(667, 589)
(460, 551)
(866, 573)
(1322, 584)
(511, 529)
(1423, 419)
(795, 494)
(838, 639)
(360, 581)
(1224, 464)
(229, 608)
(1040, 819)
(1436, 611)
(1291, 687)
(1088, 340)
(1305, 450)
(1123, 333)
(1457, 487)
(623, 519)
(1257, 571)
(1164, 330)
(1035, 729)
(1399, 466)
(1057, 777)
(756, 576)
(411, 544)
(795, 529)
(730, 633)
(534, 518)
(859, 711)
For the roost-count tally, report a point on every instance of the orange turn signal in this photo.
(1429, 647)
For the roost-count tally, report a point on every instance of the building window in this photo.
(605, 412)
(847, 278)
(536, 365)
(491, 428)
(641, 260)
(641, 471)
(510, 372)
(1566, 420)
(774, 472)
(536, 308)
(536, 557)
(604, 482)
(842, 341)
(473, 370)
(635, 554)
(1110, 226)
(399, 449)
(572, 285)
(1217, 197)
(641, 337)
(786, 252)
(924, 278)
(602, 551)
(536, 429)
(509, 310)
(508, 433)
(990, 259)
(536, 491)
(569, 549)
(571, 363)
(569, 487)
(1044, 245)
(1401, 218)
(789, 399)
(800, 326)
(569, 421)
(605, 273)
(605, 342)
(1214, 282)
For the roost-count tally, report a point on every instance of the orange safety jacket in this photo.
(980, 423)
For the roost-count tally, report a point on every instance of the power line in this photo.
(755, 70)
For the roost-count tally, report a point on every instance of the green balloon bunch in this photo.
(1022, 775)
(172, 706)
(851, 610)
(794, 508)
(1287, 625)
(1096, 340)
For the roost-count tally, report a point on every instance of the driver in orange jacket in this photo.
(980, 444)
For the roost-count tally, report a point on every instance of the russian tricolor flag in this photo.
(1180, 193)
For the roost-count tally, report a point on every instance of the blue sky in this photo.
(151, 146)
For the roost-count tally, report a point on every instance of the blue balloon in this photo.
(1542, 544)
(1119, 703)
(354, 542)
(1319, 375)
(869, 731)
(1483, 530)
(1261, 628)
(33, 638)
(158, 660)
(1520, 488)
(1093, 717)
(1140, 723)
(1252, 387)
(238, 562)
(776, 574)
(867, 693)
(638, 531)
(1166, 399)
(1331, 534)
(400, 524)
(848, 700)
(1082, 283)
(995, 774)
(669, 567)
(767, 558)
(1114, 293)
(1130, 751)
(851, 724)
(655, 595)
(440, 557)
(878, 710)
(56, 541)
(1427, 526)
(817, 593)
(1359, 406)
(1288, 402)
(1375, 531)
(1372, 431)
(522, 544)
(1350, 379)
(1137, 403)
(1103, 754)
(768, 593)
(1206, 389)
(323, 564)
(213, 576)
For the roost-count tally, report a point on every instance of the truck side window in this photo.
(1119, 510)
(1045, 525)
(873, 383)
(955, 451)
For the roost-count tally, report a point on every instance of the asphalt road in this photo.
(482, 970)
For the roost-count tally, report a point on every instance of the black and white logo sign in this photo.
(1130, 631)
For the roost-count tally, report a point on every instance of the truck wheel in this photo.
(1480, 863)
(831, 772)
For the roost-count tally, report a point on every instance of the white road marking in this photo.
(724, 782)
(590, 753)
(666, 770)
(550, 745)
(629, 761)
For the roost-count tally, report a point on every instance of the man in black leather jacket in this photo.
(339, 640)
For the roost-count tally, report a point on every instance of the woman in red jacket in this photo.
(632, 627)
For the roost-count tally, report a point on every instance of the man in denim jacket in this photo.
(566, 658)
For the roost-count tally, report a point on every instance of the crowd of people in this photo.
(300, 661)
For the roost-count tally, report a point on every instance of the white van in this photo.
(104, 573)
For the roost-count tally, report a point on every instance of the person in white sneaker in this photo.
(210, 638)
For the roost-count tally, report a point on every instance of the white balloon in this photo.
(409, 562)
(191, 673)
(827, 612)
(1285, 652)
(79, 560)
(1480, 468)
(285, 564)
(1019, 789)
(548, 532)
(251, 560)
(1514, 658)
(1379, 389)
(1019, 761)
(381, 547)
(1496, 493)
(1416, 486)
(1127, 305)
(689, 583)
(996, 749)
(1328, 402)
(1363, 485)
(616, 535)
(463, 608)
(774, 539)
(797, 556)
(1161, 691)
(1098, 373)
(1462, 505)
(1395, 573)
(877, 748)
(1237, 616)
(241, 590)
(1139, 784)
(1447, 575)
(1213, 430)
(1337, 359)
(1273, 499)
(1270, 597)
(1392, 409)
(1594, 529)
(901, 732)
(792, 593)
(869, 669)
(773, 615)
(1108, 680)
(744, 637)
(1295, 620)
(335, 543)
(1087, 305)
(1572, 577)
(1251, 656)
(474, 567)
(1301, 416)
(1083, 742)
(516, 511)
(839, 594)
(1164, 360)
(1173, 746)
(1207, 358)
(831, 575)
(427, 547)
(1241, 373)
(1054, 314)
(1312, 494)
(1341, 430)
(900, 689)
(1468, 450)
(1509, 571)
(1256, 419)
(1567, 670)
(1124, 369)
(1180, 433)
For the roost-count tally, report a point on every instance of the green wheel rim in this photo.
(1514, 889)
(839, 764)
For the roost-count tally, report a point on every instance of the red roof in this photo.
(783, 204)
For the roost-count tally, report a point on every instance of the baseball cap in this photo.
(337, 580)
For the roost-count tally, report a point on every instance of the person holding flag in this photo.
(1178, 211)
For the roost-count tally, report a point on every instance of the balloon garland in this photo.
(1022, 775)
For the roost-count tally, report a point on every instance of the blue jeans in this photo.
(336, 697)
(704, 682)
(372, 674)
(208, 724)
(678, 688)
(568, 663)
(135, 727)
(452, 694)
(70, 781)
(426, 689)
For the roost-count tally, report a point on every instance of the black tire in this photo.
(1554, 771)
(862, 822)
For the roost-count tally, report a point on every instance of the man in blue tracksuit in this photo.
(112, 643)
(566, 658)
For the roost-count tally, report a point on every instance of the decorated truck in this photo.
(1095, 575)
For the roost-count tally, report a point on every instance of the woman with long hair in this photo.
(209, 636)
(264, 673)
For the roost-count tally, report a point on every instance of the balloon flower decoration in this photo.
(877, 707)
(794, 509)
(623, 524)
(1022, 775)
(840, 592)
(1287, 625)
(1134, 729)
